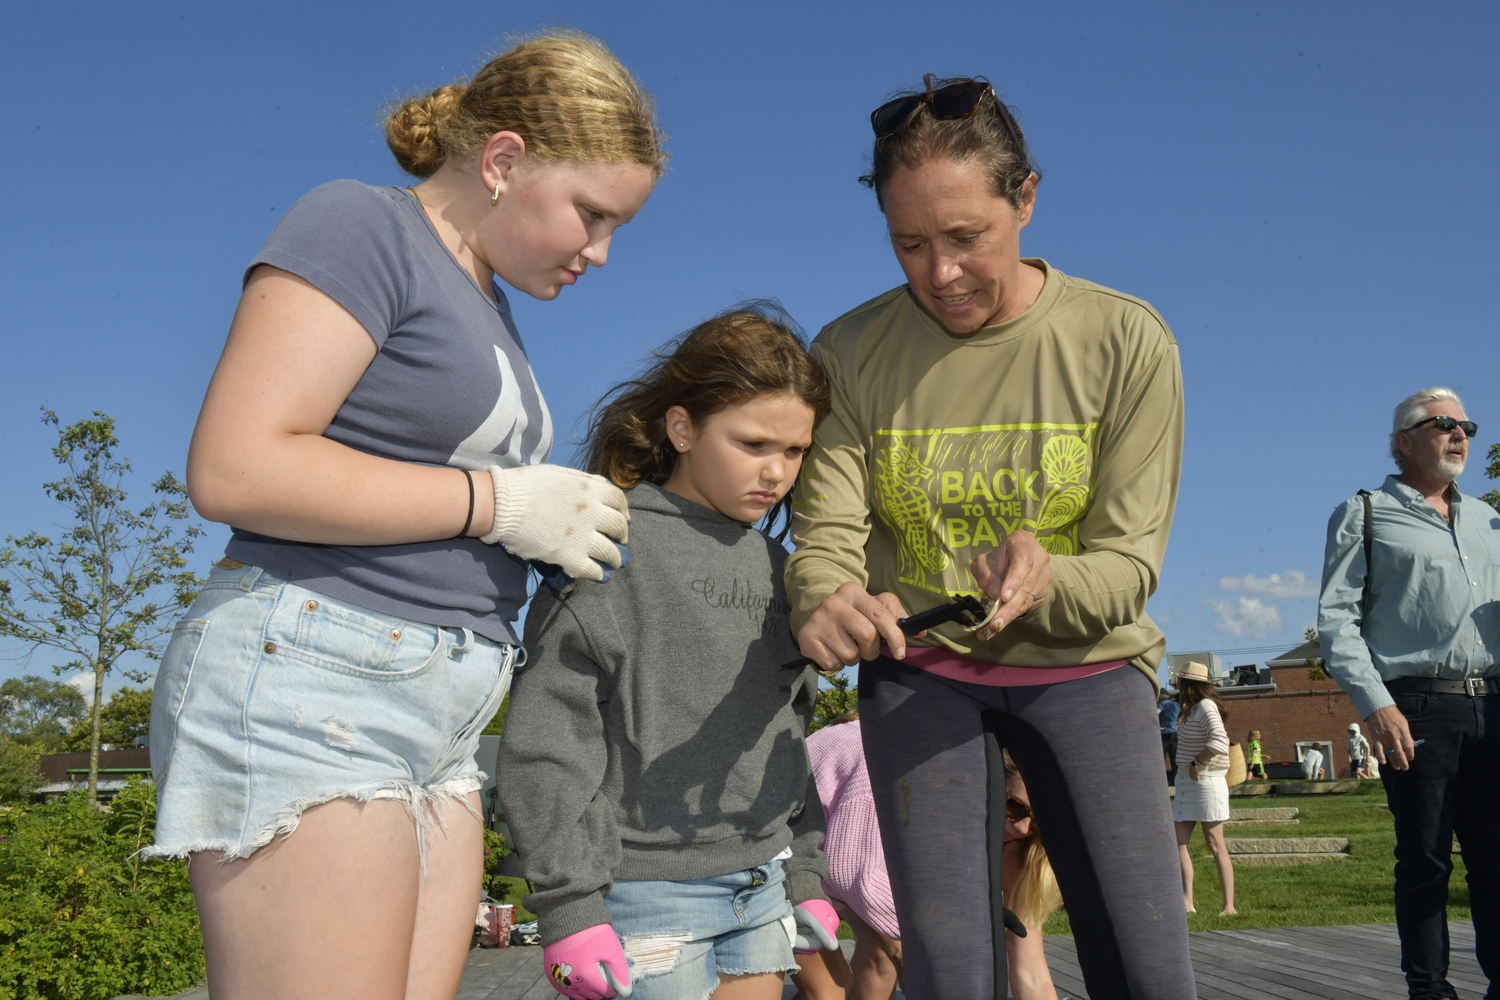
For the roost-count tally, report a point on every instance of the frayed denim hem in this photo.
(794, 967)
(418, 800)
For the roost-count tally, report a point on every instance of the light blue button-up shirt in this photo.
(1434, 607)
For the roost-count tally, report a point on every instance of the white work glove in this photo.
(561, 516)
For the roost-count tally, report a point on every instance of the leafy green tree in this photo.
(39, 712)
(126, 716)
(1492, 471)
(20, 773)
(116, 579)
(833, 701)
(1315, 664)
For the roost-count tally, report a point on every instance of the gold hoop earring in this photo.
(495, 197)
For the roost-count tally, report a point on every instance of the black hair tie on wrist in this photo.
(470, 519)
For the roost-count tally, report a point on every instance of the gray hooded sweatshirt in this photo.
(653, 733)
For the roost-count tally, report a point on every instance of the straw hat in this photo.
(1195, 671)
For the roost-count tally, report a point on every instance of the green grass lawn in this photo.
(1353, 891)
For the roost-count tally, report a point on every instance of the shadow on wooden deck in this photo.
(1288, 963)
(1296, 963)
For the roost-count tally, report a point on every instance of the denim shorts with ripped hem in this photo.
(680, 937)
(272, 698)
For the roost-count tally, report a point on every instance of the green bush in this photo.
(495, 852)
(81, 915)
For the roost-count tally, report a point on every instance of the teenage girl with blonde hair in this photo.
(376, 437)
(653, 769)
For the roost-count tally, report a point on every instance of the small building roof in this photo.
(1297, 656)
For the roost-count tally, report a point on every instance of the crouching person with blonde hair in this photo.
(861, 889)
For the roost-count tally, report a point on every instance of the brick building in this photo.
(1290, 708)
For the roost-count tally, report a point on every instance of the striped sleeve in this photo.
(1202, 729)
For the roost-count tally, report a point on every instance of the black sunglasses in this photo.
(957, 100)
(1446, 425)
(1016, 810)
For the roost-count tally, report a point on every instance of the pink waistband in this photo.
(945, 663)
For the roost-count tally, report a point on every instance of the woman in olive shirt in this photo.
(998, 428)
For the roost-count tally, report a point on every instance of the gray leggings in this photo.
(1090, 752)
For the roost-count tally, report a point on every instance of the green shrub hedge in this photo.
(81, 916)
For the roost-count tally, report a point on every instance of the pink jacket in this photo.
(857, 877)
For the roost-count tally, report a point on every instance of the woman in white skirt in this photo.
(1202, 793)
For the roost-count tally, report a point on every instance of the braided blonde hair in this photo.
(563, 92)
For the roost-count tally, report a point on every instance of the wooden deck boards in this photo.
(1294, 963)
(1289, 963)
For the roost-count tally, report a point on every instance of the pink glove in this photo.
(817, 926)
(589, 965)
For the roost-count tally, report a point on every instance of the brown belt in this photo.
(228, 563)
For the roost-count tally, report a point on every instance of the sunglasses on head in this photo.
(956, 100)
(1447, 424)
(1016, 810)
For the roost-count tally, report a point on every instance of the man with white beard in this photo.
(1409, 621)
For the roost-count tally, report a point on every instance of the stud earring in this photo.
(495, 197)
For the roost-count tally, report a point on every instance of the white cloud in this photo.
(1249, 618)
(1293, 583)
(84, 683)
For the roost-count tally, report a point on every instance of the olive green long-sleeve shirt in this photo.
(1065, 421)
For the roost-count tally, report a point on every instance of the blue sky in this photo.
(1304, 191)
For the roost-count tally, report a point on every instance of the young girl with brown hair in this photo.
(654, 773)
(376, 437)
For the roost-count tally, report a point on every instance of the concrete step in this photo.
(1285, 816)
(1316, 787)
(1275, 812)
(1287, 845)
(1251, 788)
(1269, 860)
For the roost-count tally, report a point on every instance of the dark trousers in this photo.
(1452, 786)
(1169, 751)
(1087, 749)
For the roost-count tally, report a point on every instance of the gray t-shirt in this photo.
(449, 385)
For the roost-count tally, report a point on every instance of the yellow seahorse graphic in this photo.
(905, 506)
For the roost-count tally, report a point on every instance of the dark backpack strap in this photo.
(1365, 495)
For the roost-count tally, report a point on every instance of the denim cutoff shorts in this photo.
(272, 698)
(679, 937)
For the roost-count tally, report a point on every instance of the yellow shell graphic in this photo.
(1064, 507)
(1065, 459)
(1058, 545)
